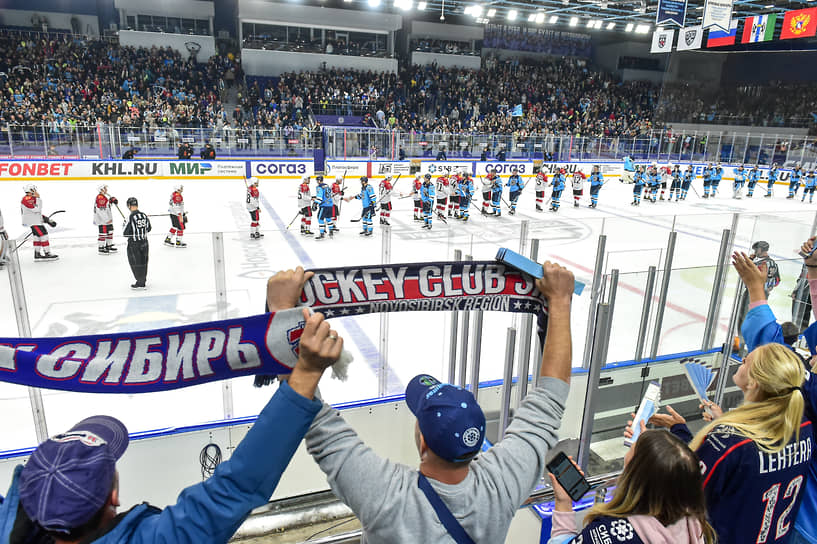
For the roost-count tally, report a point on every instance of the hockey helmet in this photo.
(740, 167)
(427, 176)
(319, 179)
(102, 188)
(132, 202)
(30, 188)
(562, 171)
(254, 181)
(774, 165)
(339, 179)
(178, 187)
(689, 167)
(388, 177)
(677, 166)
(364, 179)
(305, 179)
(761, 245)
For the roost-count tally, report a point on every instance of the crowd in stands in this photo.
(448, 47)
(562, 96)
(774, 104)
(65, 81)
(549, 42)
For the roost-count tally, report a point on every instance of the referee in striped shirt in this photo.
(136, 231)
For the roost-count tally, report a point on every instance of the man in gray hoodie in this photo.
(483, 493)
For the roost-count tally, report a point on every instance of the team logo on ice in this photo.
(690, 35)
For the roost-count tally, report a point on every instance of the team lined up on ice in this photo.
(31, 208)
(653, 178)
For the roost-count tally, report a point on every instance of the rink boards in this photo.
(274, 168)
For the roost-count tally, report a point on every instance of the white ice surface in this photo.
(85, 293)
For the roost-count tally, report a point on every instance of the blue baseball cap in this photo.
(69, 477)
(449, 417)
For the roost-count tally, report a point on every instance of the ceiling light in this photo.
(512, 15)
(629, 27)
(574, 21)
(553, 19)
(770, 6)
(491, 12)
(405, 5)
(642, 29)
(476, 11)
(467, 10)
(540, 17)
(531, 17)
(421, 6)
(591, 23)
(611, 26)
(374, 3)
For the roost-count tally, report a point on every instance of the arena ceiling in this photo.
(602, 12)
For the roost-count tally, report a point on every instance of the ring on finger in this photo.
(333, 337)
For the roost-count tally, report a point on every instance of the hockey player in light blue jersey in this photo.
(754, 177)
(811, 183)
(638, 186)
(466, 191)
(368, 201)
(515, 187)
(686, 183)
(709, 171)
(427, 195)
(326, 208)
(496, 196)
(772, 180)
(794, 182)
(675, 185)
(740, 180)
(596, 181)
(629, 170)
(717, 174)
(558, 186)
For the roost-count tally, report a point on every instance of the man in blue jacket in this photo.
(68, 491)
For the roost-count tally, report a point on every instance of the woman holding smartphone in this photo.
(659, 499)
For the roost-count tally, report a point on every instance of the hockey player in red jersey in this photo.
(178, 218)
(386, 189)
(337, 196)
(578, 187)
(443, 186)
(416, 188)
(103, 219)
(487, 189)
(305, 206)
(254, 207)
(454, 192)
(32, 210)
(541, 185)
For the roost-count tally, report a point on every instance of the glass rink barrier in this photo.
(646, 310)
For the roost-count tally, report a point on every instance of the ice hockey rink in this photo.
(87, 293)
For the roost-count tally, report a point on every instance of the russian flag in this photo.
(719, 38)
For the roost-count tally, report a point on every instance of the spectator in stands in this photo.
(481, 490)
(760, 328)
(659, 498)
(739, 449)
(69, 488)
(130, 153)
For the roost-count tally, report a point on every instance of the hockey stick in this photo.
(293, 219)
(30, 233)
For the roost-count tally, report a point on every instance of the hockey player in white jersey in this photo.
(541, 185)
(578, 186)
(178, 217)
(31, 208)
(103, 219)
(305, 206)
(254, 208)
(386, 189)
(487, 183)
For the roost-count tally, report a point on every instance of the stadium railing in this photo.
(111, 141)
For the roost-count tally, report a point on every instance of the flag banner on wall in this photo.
(717, 14)
(671, 12)
(662, 40)
(759, 28)
(690, 37)
(801, 23)
(719, 38)
(268, 344)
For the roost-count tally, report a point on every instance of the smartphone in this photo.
(568, 476)
(810, 253)
(531, 268)
(647, 409)
(520, 262)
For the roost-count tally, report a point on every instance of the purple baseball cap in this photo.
(449, 417)
(69, 477)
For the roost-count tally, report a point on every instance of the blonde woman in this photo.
(754, 458)
(659, 499)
